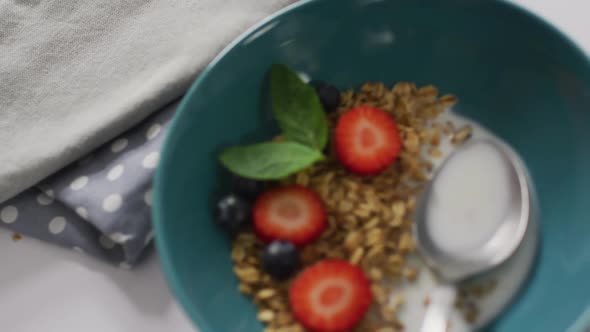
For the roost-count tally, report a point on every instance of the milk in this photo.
(470, 198)
(466, 233)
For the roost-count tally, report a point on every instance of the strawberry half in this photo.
(330, 296)
(366, 140)
(291, 213)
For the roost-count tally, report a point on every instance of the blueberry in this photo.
(280, 259)
(329, 96)
(247, 188)
(233, 213)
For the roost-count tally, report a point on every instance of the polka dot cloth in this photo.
(100, 205)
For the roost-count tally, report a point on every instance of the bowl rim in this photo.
(161, 243)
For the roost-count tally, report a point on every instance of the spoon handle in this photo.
(439, 309)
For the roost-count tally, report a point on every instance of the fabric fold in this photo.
(74, 74)
(99, 205)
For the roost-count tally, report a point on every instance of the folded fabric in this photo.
(74, 74)
(101, 204)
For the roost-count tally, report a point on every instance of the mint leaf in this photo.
(297, 108)
(269, 161)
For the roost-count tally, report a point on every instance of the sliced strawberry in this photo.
(366, 140)
(330, 296)
(292, 213)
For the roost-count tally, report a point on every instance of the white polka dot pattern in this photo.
(153, 131)
(151, 160)
(79, 183)
(147, 197)
(149, 237)
(9, 214)
(120, 237)
(115, 172)
(119, 145)
(108, 189)
(57, 225)
(44, 199)
(82, 212)
(112, 203)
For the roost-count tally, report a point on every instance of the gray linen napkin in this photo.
(75, 73)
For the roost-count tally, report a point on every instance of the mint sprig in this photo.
(269, 161)
(297, 108)
(300, 116)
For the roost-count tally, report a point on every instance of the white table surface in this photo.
(49, 289)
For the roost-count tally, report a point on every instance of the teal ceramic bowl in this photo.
(513, 73)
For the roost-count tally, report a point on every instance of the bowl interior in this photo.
(513, 73)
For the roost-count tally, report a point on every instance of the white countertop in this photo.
(49, 289)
